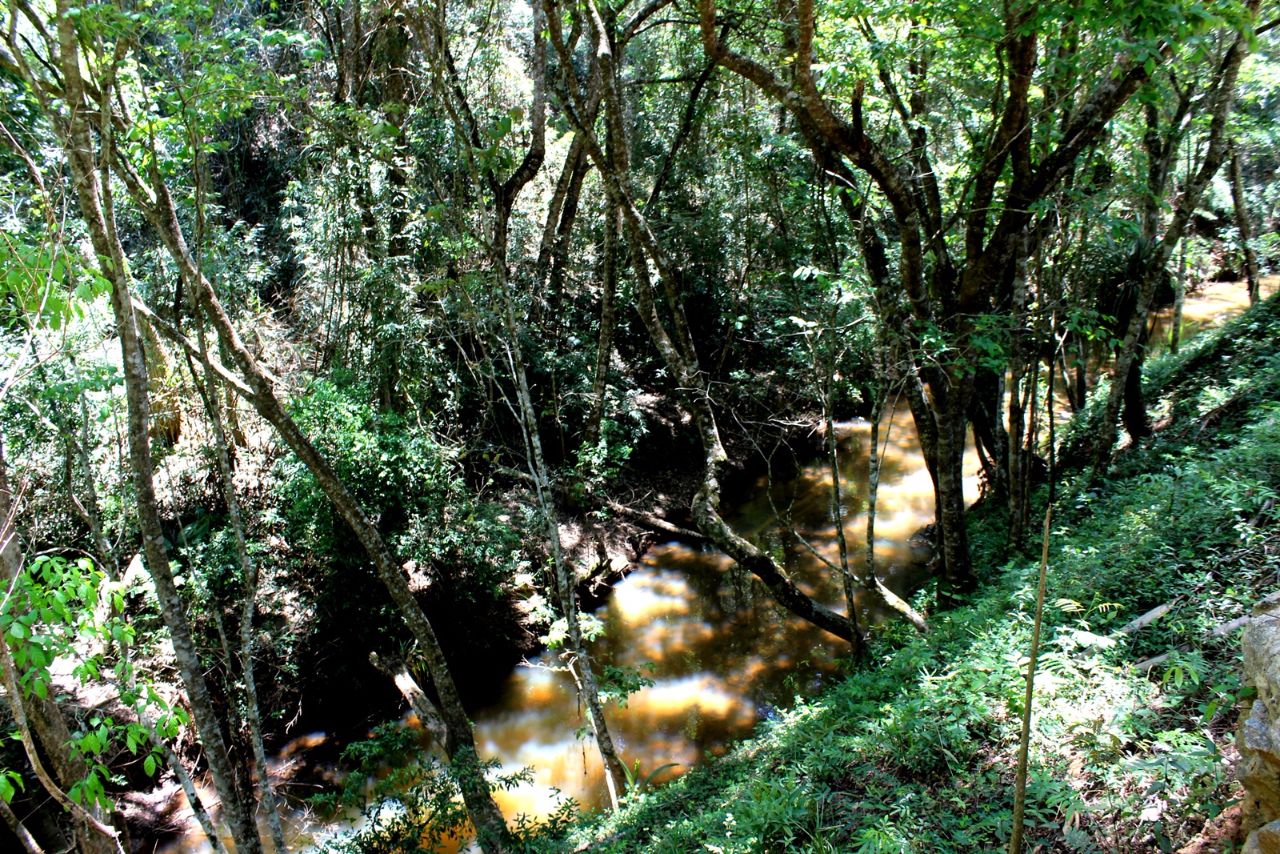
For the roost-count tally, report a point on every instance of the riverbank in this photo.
(724, 659)
(1132, 742)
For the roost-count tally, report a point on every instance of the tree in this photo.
(675, 343)
(150, 193)
(1161, 146)
(503, 192)
(1050, 80)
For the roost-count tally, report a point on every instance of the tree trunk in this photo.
(97, 208)
(1240, 202)
(1179, 301)
(989, 436)
(249, 597)
(18, 829)
(208, 387)
(1018, 357)
(837, 497)
(577, 659)
(873, 476)
(949, 412)
(1134, 413)
(608, 322)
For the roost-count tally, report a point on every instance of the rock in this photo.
(1264, 840)
(1262, 656)
(1259, 733)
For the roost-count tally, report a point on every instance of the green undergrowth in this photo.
(915, 750)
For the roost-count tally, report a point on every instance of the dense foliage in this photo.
(349, 350)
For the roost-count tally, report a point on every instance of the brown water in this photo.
(1210, 304)
(723, 655)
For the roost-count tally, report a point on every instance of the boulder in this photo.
(1264, 840)
(1259, 733)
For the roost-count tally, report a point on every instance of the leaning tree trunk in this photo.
(578, 660)
(97, 208)
(158, 207)
(257, 388)
(249, 597)
(19, 830)
(209, 387)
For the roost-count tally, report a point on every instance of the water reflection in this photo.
(1211, 304)
(721, 654)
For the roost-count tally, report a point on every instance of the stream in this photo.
(721, 655)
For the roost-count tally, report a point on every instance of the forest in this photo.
(639, 425)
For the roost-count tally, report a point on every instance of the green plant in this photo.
(63, 612)
(410, 801)
(638, 784)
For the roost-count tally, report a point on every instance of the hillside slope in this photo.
(915, 750)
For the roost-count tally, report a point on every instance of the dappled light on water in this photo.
(721, 655)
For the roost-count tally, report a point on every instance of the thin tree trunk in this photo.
(1082, 372)
(209, 387)
(492, 829)
(90, 513)
(1018, 469)
(555, 206)
(1028, 450)
(1240, 202)
(1179, 301)
(837, 498)
(1042, 582)
(249, 598)
(18, 829)
(91, 834)
(188, 785)
(578, 661)
(413, 694)
(873, 480)
(608, 312)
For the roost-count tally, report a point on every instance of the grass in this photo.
(915, 750)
